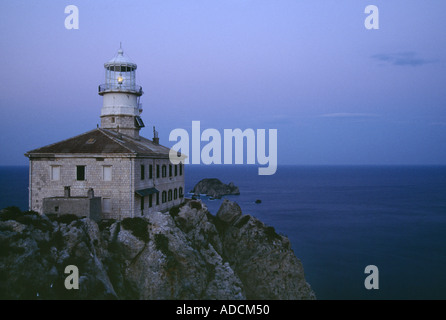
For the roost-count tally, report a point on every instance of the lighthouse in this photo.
(121, 107)
(111, 172)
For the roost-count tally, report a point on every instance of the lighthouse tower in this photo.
(121, 108)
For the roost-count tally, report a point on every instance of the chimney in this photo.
(90, 193)
(156, 140)
(67, 192)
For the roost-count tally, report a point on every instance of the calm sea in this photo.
(339, 220)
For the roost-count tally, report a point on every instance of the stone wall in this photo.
(161, 184)
(79, 206)
(126, 124)
(126, 179)
(118, 190)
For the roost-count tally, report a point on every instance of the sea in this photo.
(339, 219)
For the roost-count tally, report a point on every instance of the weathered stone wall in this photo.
(118, 190)
(162, 184)
(126, 179)
(126, 124)
(60, 206)
(81, 207)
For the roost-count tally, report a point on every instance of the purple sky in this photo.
(336, 92)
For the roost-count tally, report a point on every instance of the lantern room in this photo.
(120, 75)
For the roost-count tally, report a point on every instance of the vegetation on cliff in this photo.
(186, 253)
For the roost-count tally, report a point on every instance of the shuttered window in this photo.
(55, 173)
(107, 173)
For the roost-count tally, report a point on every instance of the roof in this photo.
(120, 59)
(102, 141)
(146, 192)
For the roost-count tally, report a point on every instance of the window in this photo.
(181, 192)
(142, 205)
(164, 197)
(56, 209)
(150, 200)
(176, 170)
(157, 199)
(106, 205)
(181, 169)
(150, 171)
(55, 173)
(90, 141)
(113, 120)
(170, 195)
(164, 171)
(175, 194)
(80, 173)
(107, 173)
(170, 170)
(138, 122)
(157, 170)
(143, 172)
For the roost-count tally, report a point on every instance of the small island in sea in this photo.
(213, 187)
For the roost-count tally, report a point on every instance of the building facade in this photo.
(131, 174)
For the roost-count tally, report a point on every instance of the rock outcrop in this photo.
(186, 253)
(263, 259)
(215, 188)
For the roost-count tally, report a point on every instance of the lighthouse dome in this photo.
(120, 60)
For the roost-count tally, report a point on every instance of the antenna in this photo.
(120, 51)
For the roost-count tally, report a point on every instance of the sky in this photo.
(337, 93)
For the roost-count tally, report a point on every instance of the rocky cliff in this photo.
(186, 253)
(214, 188)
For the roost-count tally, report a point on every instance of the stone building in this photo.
(131, 174)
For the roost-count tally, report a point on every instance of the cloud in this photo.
(402, 59)
(349, 115)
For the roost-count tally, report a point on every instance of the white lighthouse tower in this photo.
(121, 107)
